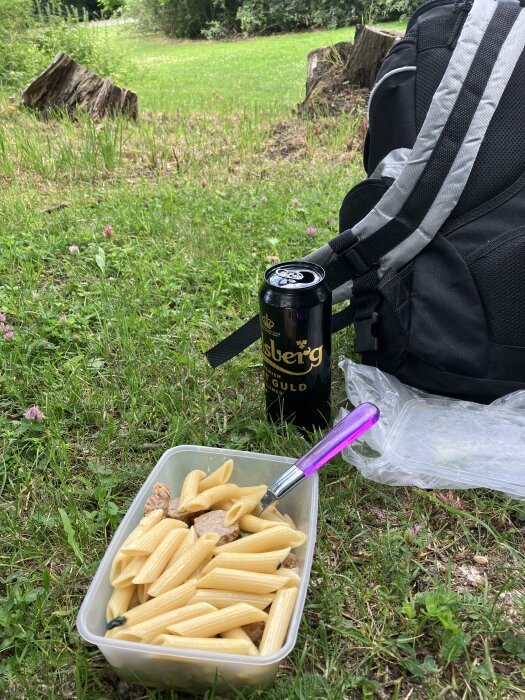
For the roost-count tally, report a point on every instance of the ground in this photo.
(215, 180)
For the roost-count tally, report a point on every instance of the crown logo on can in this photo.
(267, 322)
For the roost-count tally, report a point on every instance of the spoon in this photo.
(346, 431)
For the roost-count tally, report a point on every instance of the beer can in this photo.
(295, 314)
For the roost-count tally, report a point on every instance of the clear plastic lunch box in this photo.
(193, 671)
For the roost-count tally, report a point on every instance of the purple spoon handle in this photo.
(346, 431)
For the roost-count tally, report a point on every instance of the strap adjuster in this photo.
(365, 340)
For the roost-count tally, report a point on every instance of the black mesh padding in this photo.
(500, 278)
(435, 32)
(501, 159)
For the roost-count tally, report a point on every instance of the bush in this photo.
(218, 18)
(269, 16)
(17, 59)
(377, 10)
(30, 37)
(181, 18)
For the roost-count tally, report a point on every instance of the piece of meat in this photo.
(159, 498)
(291, 562)
(176, 514)
(255, 632)
(214, 522)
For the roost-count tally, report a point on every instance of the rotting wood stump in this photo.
(371, 45)
(339, 76)
(65, 84)
(320, 61)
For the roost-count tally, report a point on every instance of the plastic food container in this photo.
(468, 444)
(193, 671)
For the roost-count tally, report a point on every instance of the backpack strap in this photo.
(250, 332)
(421, 199)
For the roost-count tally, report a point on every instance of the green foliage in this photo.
(110, 7)
(181, 18)
(377, 10)
(216, 19)
(445, 618)
(18, 59)
(31, 35)
(513, 643)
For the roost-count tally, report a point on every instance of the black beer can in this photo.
(295, 313)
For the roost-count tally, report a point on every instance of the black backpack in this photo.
(432, 245)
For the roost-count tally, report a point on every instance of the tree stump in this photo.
(322, 60)
(338, 76)
(65, 84)
(371, 45)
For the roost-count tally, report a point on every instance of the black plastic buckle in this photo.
(365, 340)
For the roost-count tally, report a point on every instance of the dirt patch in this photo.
(286, 140)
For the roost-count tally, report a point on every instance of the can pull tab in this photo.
(291, 274)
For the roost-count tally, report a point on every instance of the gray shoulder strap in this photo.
(430, 183)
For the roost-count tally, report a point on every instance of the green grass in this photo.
(265, 74)
(109, 340)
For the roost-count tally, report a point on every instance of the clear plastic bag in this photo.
(434, 442)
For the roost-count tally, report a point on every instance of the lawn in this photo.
(109, 329)
(266, 74)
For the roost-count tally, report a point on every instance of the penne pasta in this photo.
(119, 602)
(221, 646)
(148, 541)
(264, 563)
(206, 499)
(239, 633)
(226, 504)
(289, 520)
(190, 487)
(159, 559)
(248, 490)
(293, 577)
(252, 523)
(186, 564)
(128, 574)
(267, 540)
(149, 629)
(246, 581)
(218, 477)
(134, 600)
(218, 621)
(149, 520)
(176, 598)
(243, 506)
(198, 573)
(121, 560)
(142, 593)
(175, 589)
(190, 538)
(222, 599)
(118, 565)
(273, 517)
(278, 621)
